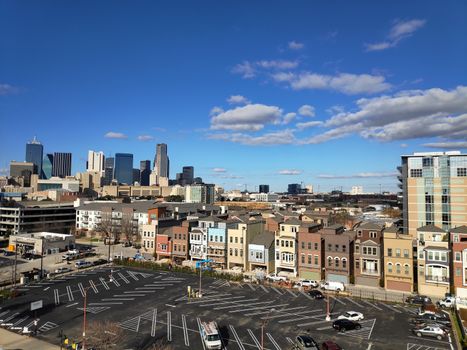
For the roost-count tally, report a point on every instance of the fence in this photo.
(377, 294)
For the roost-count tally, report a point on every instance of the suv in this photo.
(430, 331)
(305, 342)
(316, 294)
(418, 299)
(275, 278)
(343, 325)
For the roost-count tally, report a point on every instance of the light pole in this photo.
(200, 275)
(263, 324)
(42, 257)
(328, 313)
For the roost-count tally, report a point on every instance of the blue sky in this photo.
(328, 93)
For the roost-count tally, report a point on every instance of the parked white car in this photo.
(306, 283)
(275, 278)
(447, 302)
(331, 285)
(351, 316)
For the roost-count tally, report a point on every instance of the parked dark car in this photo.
(343, 325)
(100, 262)
(437, 318)
(315, 294)
(303, 342)
(418, 300)
(330, 345)
(8, 253)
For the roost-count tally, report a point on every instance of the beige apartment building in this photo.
(398, 260)
(434, 186)
(286, 247)
(239, 236)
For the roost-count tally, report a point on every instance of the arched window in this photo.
(329, 261)
(390, 267)
(344, 263)
(398, 267)
(336, 261)
(406, 269)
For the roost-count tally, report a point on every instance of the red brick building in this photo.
(459, 254)
(310, 251)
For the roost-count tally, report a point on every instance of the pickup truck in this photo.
(273, 277)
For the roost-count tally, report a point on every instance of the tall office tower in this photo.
(161, 162)
(145, 172)
(433, 186)
(108, 171)
(34, 154)
(47, 166)
(294, 189)
(188, 174)
(136, 175)
(263, 188)
(123, 171)
(109, 162)
(62, 164)
(95, 161)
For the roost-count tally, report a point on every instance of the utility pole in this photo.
(42, 257)
(16, 263)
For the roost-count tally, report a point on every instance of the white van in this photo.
(210, 335)
(82, 264)
(331, 285)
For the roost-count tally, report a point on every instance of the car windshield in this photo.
(213, 337)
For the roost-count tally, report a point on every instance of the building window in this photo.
(389, 267)
(236, 252)
(303, 258)
(462, 172)
(406, 269)
(344, 263)
(427, 162)
(316, 260)
(303, 245)
(282, 242)
(458, 271)
(398, 252)
(309, 245)
(372, 234)
(329, 247)
(359, 233)
(221, 239)
(389, 251)
(236, 239)
(357, 248)
(282, 228)
(364, 250)
(329, 261)
(457, 256)
(231, 239)
(344, 247)
(286, 244)
(337, 247)
(291, 244)
(336, 261)
(316, 246)
(415, 172)
(357, 264)
(277, 242)
(406, 253)
(277, 256)
(241, 240)
(241, 252)
(398, 268)
(309, 259)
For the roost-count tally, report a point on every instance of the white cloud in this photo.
(219, 170)
(251, 117)
(4, 171)
(289, 117)
(277, 64)
(400, 30)
(404, 145)
(216, 110)
(245, 69)
(115, 135)
(283, 137)
(359, 175)
(447, 144)
(346, 83)
(145, 138)
(307, 111)
(289, 172)
(238, 100)
(306, 125)
(7, 89)
(295, 45)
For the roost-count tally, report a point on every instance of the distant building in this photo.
(95, 161)
(309, 189)
(61, 164)
(188, 173)
(161, 162)
(18, 168)
(200, 193)
(263, 188)
(136, 175)
(294, 189)
(123, 171)
(459, 253)
(57, 183)
(264, 197)
(47, 166)
(34, 153)
(145, 172)
(261, 253)
(108, 171)
(356, 190)
(42, 242)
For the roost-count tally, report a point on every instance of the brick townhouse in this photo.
(310, 251)
(338, 253)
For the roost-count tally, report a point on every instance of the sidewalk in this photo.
(13, 341)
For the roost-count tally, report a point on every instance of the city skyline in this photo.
(297, 95)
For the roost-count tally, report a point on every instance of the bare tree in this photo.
(127, 227)
(161, 345)
(106, 228)
(104, 335)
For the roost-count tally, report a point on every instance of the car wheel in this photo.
(419, 334)
(439, 337)
(358, 326)
(342, 330)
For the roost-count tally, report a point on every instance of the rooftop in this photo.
(430, 228)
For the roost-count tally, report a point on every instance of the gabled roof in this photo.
(430, 228)
(292, 221)
(436, 248)
(369, 242)
(266, 239)
(370, 226)
(211, 219)
(392, 229)
(459, 229)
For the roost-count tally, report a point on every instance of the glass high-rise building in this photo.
(161, 162)
(61, 164)
(123, 171)
(34, 154)
(47, 166)
(145, 172)
(188, 174)
(263, 188)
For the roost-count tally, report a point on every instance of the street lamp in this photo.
(42, 257)
(263, 325)
(328, 313)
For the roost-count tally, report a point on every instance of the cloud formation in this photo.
(7, 89)
(359, 175)
(282, 137)
(145, 138)
(399, 31)
(238, 100)
(307, 125)
(289, 172)
(347, 83)
(249, 70)
(451, 144)
(295, 45)
(307, 111)
(252, 117)
(219, 170)
(115, 135)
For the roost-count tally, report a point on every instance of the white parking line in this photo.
(254, 338)
(149, 288)
(117, 299)
(132, 275)
(199, 327)
(153, 324)
(209, 299)
(289, 340)
(81, 288)
(128, 295)
(4, 313)
(306, 295)
(93, 286)
(237, 338)
(11, 317)
(276, 290)
(268, 306)
(70, 305)
(70, 293)
(322, 316)
(337, 299)
(354, 302)
(114, 280)
(56, 296)
(20, 321)
(290, 292)
(185, 331)
(373, 305)
(105, 303)
(273, 341)
(169, 326)
(264, 288)
(251, 287)
(284, 314)
(275, 316)
(255, 304)
(106, 286)
(229, 302)
(123, 278)
(390, 307)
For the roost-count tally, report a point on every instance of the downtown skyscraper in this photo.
(61, 164)
(123, 171)
(161, 161)
(34, 154)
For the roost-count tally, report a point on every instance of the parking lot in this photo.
(152, 306)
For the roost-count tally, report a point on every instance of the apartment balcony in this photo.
(370, 272)
(287, 263)
(436, 279)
